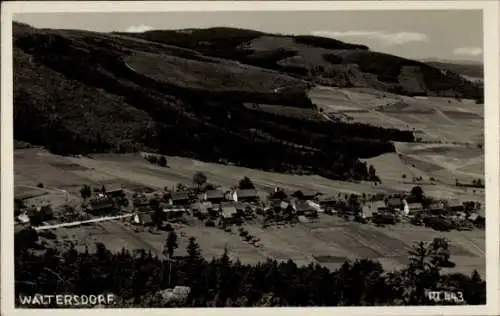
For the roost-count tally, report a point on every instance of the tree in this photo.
(417, 192)
(193, 250)
(170, 244)
(279, 194)
(422, 272)
(440, 252)
(162, 162)
(158, 215)
(40, 185)
(25, 239)
(372, 173)
(85, 192)
(199, 179)
(246, 183)
(479, 183)
(103, 189)
(298, 194)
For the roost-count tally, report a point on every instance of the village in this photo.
(227, 207)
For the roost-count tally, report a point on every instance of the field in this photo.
(441, 120)
(450, 136)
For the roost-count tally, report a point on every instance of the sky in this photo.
(426, 34)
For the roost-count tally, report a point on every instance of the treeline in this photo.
(135, 278)
(327, 43)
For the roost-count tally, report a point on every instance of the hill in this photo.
(201, 94)
(464, 68)
(321, 60)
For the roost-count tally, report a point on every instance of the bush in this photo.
(169, 227)
(209, 223)
(162, 162)
(39, 185)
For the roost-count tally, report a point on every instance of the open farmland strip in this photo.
(129, 235)
(380, 241)
(349, 242)
(278, 247)
(306, 239)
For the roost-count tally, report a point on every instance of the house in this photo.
(456, 208)
(324, 200)
(368, 210)
(100, 205)
(470, 206)
(304, 195)
(303, 208)
(247, 195)
(276, 205)
(140, 201)
(202, 207)
(229, 213)
(23, 218)
(412, 208)
(379, 206)
(179, 198)
(395, 204)
(144, 219)
(373, 208)
(435, 207)
(117, 193)
(214, 196)
(314, 205)
(172, 211)
(303, 219)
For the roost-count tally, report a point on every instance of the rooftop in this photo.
(246, 193)
(182, 195)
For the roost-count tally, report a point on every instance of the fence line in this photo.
(95, 220)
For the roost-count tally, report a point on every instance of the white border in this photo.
(491, 58)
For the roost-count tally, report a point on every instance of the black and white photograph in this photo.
(249, 158)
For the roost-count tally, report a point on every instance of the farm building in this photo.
(456, 207)
(100, 205)
(247, 195)
(471, 205)
(315, 205)
(116, 193)
(35, 215)
(179, 198)
(203, 208)
(279, 206)
(395, 204)
(304, 195)
(230, 213)
(140, 201)
(174, 211)
(23, 218)
(324, 200)
(412, 208)
(214, 196)
(303, 208)
(144, 219)
(368, 210)
(438, 206)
